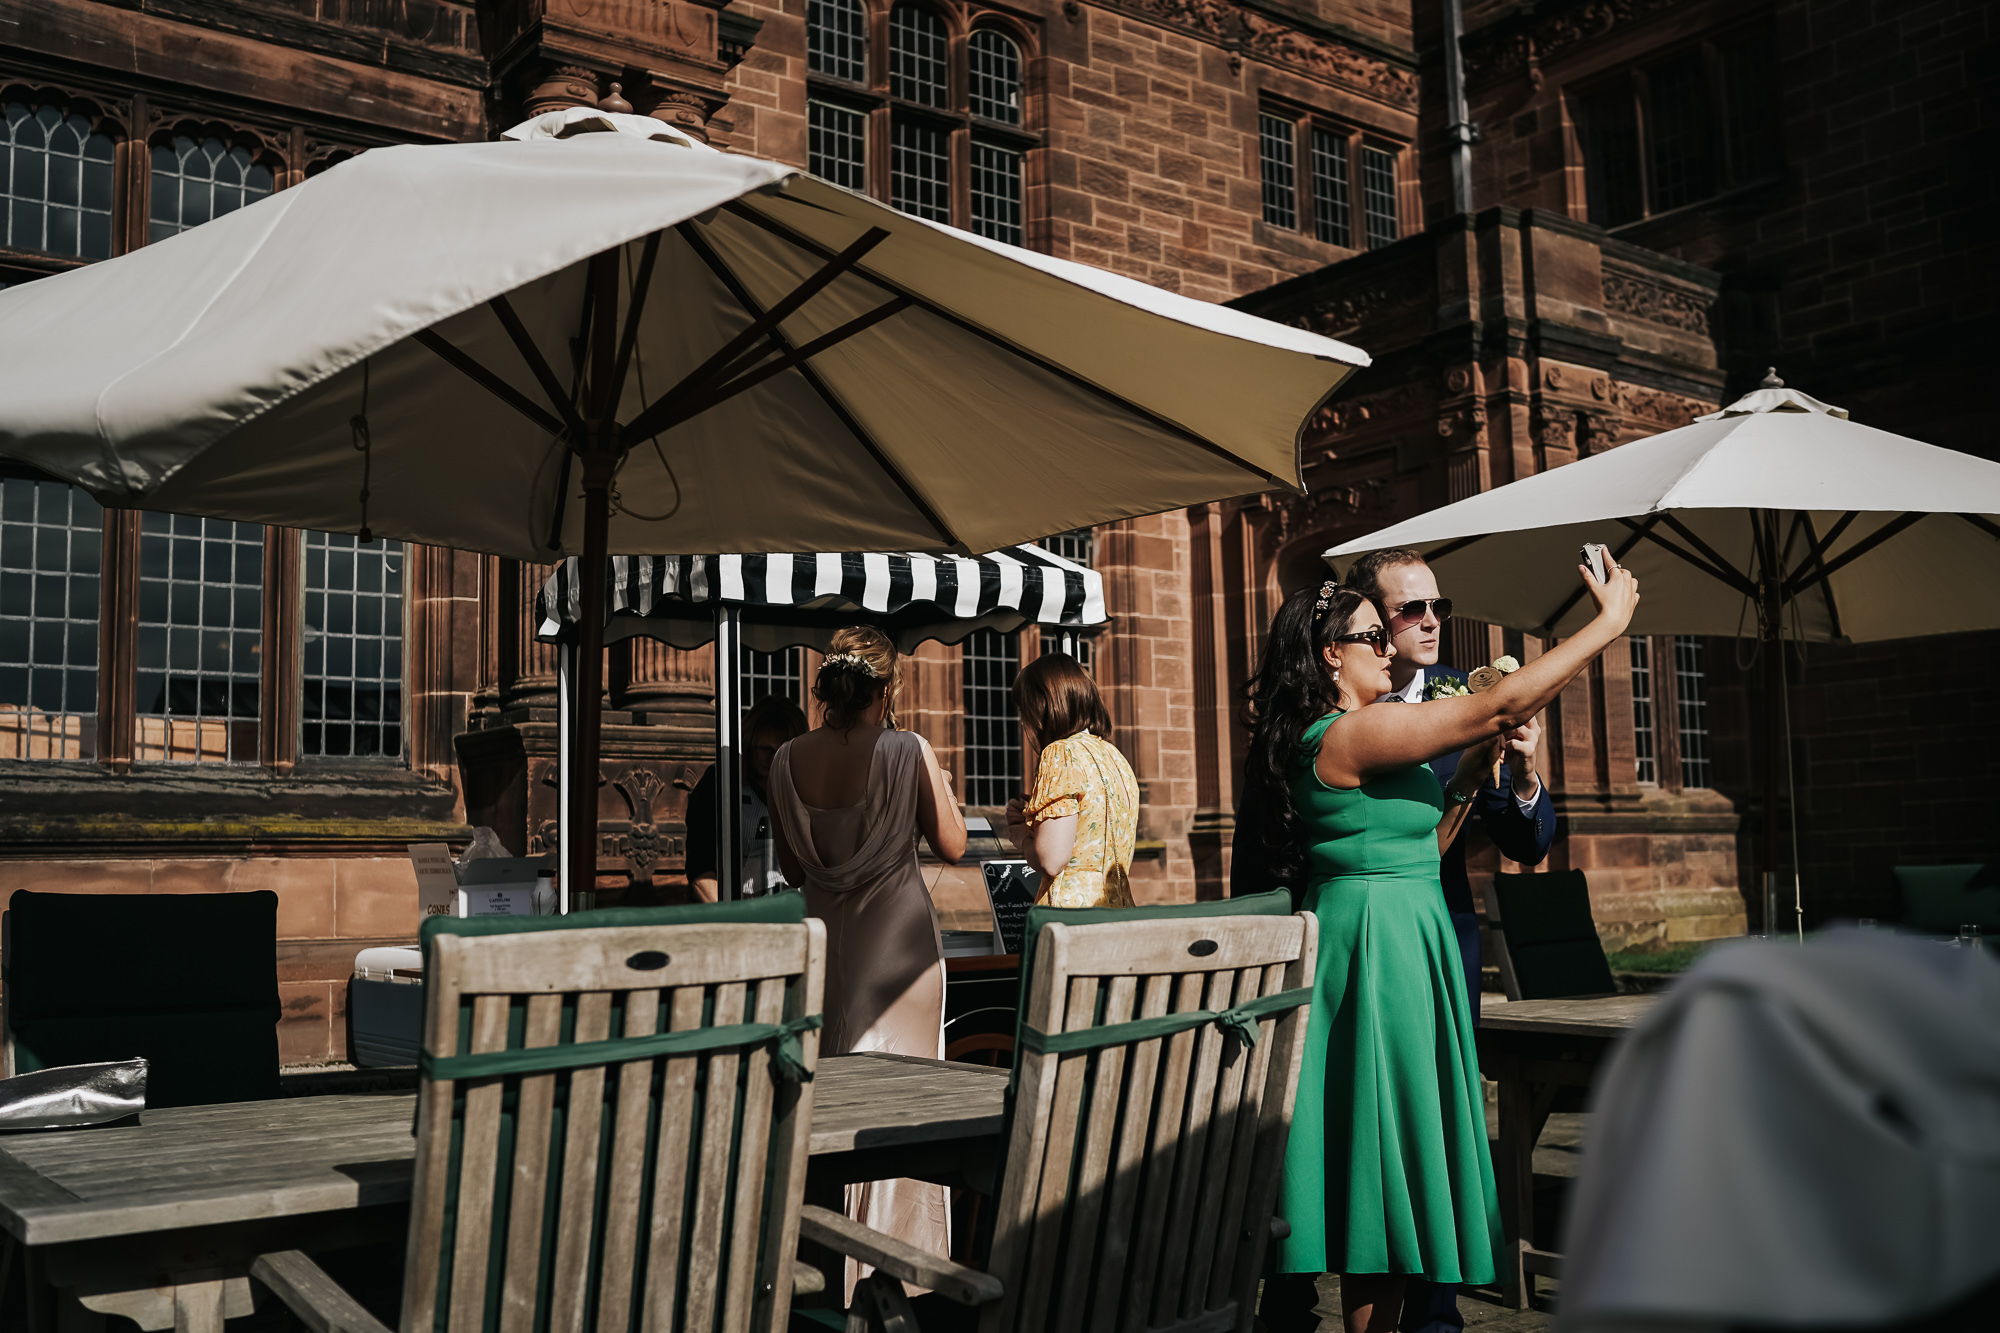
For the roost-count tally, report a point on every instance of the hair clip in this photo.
(853, 661)
(1326, 592)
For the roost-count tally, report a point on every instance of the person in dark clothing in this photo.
(1515, 812)
(771, 722)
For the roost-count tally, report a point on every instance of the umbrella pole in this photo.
(1777, 727)
(580, 842)
(728, 751)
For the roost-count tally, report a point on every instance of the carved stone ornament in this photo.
(1520, 47)
(1343, 314)
(1656, 303)
(685, 111)
(643, 840)
(1553, 377)
(1458, 380)
(1322, 507)
(1351, 414)
(1657, 408)
(562, 87)
(1267, 39)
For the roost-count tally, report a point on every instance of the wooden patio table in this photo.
(1533, 1049)
(158, 1221)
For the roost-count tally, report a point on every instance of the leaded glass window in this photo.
(991, 660)
(920, 169)
(1378, 197)
(1645, 750)
(919, 56)
(1691, 701)
(1331, 220)
(1677, 132)
(766, 674)
(353, 650)
(195, 183)
(837, 39)
(51, 545)
(993, 70)
(996, 192)
(1080, 545)
(55, 183)
(1278, 155)
(838, 147)
(201, 642)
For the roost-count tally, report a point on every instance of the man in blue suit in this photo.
(1515, 812)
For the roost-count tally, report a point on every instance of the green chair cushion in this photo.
(1551, 935)
(188, 981)
(1943, 898)
(115, 953)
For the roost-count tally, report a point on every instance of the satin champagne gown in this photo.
(884, 957)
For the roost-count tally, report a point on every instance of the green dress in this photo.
(1387, 1168)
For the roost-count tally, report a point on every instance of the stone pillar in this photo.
(650, 677)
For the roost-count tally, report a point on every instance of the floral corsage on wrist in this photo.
(1475, 682)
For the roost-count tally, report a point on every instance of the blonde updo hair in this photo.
(860, 665)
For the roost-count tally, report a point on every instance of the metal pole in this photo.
(565, 761)
(1459, 132)
(728, 750)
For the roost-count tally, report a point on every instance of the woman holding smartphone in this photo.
(1387, 1173)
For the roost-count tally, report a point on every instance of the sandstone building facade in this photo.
(1665, 197)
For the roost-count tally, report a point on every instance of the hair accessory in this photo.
(853, 662)
(1326, 592)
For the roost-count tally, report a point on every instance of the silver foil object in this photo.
(72, 1096)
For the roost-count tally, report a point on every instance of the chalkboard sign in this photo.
(1011, 886)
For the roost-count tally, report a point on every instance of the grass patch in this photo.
(1673, 958)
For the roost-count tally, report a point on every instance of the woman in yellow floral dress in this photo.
(1078, 826)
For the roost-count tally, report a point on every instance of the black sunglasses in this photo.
(1415, 610)
(1377, 636)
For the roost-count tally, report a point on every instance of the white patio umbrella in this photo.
(801, 601)
(625, 342)
(1775, 517)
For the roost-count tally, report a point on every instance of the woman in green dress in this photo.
(1387, 1173)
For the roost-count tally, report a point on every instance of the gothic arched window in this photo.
(55, 183)
(919, 56)
(195, 183)
(993, 82)
(837, 39)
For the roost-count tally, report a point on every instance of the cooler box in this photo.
(385, 1007)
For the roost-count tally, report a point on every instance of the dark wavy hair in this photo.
(1289, 693)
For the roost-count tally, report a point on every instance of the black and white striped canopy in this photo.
(801, 600)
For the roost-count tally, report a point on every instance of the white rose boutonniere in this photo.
(1444, 687)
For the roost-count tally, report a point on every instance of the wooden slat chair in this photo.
(1155, 1079)
(612, 1126)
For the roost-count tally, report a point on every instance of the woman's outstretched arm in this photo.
(938, 816)
(1372, 741)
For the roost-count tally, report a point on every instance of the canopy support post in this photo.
(565, 761)
(1777, 719)
(728, 751)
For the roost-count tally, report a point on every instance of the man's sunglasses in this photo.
(1377, 636)
(1441, 606)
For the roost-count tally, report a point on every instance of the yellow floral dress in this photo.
(1085, 776)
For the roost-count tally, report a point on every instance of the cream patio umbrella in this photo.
(626, 342)
(1775, 517)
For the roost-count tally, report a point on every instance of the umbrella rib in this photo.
(703, 251)
(488, 381)
(779, 229)
(1985, 525)
(668, 413)
(1816, 556)
(642, 284)
(537, 363)
(1576, 594)
(1801, 581)
(1694, 539)
(710, 372)
(1724, 575)
(1453, 548)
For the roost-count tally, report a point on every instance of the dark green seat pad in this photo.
(1552, 936)
(188, 981)
(1943, 898)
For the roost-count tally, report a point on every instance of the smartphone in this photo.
(1593, 555)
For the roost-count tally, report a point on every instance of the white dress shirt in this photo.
(1413, 693)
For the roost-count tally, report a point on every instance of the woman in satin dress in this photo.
(847, 804)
